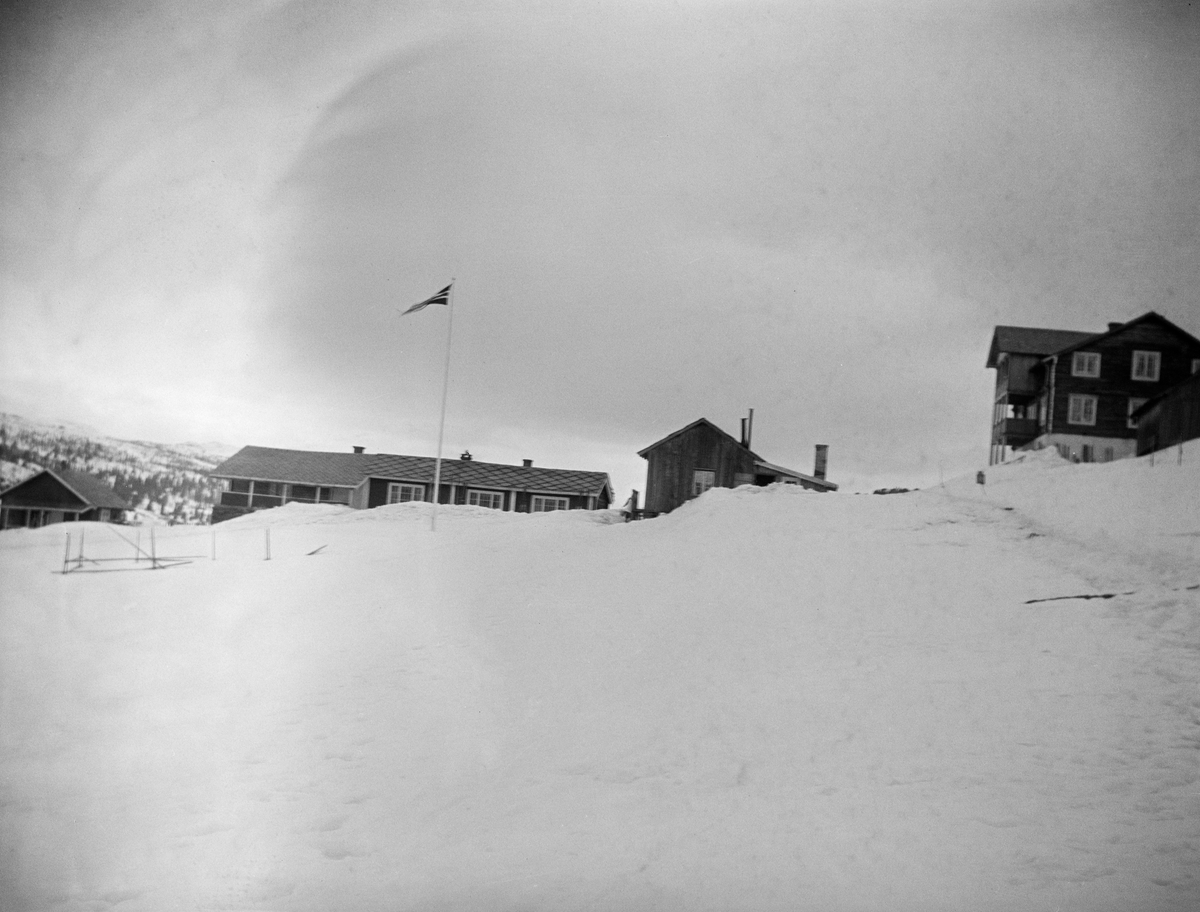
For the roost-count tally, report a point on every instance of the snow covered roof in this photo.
(766, 467)
(351, 469)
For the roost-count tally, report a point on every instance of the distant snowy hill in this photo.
(972, 697)
(165, 480)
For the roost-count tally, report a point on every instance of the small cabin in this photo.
(700, 456)
(59, 495)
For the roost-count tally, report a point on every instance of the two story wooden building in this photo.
(256, 478)
(1079, 391)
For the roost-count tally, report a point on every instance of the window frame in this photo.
(1151, 358)
(699, 485)
(1083, 400)
(495, 499)
(561, 503)
(396, 490)
(1082, 360)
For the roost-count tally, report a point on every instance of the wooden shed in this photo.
(701, 456)
(59, 495)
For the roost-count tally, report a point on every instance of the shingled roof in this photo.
(91, 490)
(295, 466)
(1026, 340)
(351, 469)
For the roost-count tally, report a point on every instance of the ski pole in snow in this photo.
(268, 531)
(67, 553)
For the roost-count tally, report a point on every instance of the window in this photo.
(493, 500)
(1108, 454)
(405, 493)
(549, 504)
(1196, 365)
(1085, 453)
(702, 480)
(1134, 405)
(239, 486)
(1085, 364)
(1145, 365)
(1082, 409)
(335, 495)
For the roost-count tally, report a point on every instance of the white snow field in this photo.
(767, 700)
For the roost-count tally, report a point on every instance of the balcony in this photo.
(1014, 432)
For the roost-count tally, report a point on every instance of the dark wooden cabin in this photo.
(59, 495)
(701, 456)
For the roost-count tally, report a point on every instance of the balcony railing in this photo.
(1015, 430)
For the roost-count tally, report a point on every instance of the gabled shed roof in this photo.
(684, 430)
(1149, 317)
(91, 490)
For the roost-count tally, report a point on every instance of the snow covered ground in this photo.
(972, 697)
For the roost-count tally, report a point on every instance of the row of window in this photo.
(492, 500)
(1146, 365)
(1082, 409)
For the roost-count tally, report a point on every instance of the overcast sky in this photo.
(212, 215)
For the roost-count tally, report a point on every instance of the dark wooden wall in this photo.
(45, 492)
(1172, 420)
(671, 464)
(377, 495)
(1115, 385)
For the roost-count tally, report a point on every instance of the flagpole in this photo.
(437, 466)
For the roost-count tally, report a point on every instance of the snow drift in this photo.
(980, 697)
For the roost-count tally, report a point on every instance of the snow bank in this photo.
(961, 698)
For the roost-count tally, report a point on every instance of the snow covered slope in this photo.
(974, 697)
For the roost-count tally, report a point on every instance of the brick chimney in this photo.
(1112, 325)
(821, 458)
(747, 429)
(358, 449)
(528, 463)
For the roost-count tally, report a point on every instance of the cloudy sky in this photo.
(211, 216)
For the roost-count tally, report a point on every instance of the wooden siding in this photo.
(377, 496)
(43, 492)
(1018, 376)
(1171, 420)
(1115, 385)
(671, 464)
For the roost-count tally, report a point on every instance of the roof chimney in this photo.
(1112, 325)
(747, 428)
(528, 463)
(358, 449)
(819, 464)
(466, 456)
